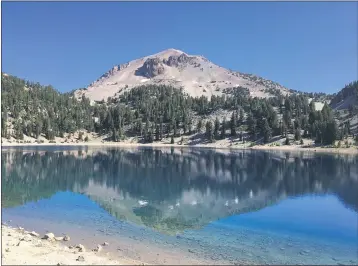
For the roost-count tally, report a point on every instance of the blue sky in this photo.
(308, 46)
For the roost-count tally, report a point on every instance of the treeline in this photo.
(153, 112)
(37, 109)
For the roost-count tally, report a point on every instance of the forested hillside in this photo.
(151, 113)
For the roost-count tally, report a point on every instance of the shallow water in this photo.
(181, 206)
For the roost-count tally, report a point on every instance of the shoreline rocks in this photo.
(80, 258)
(25, 248)
(97, 249)
(33, 233)
(49, 236)
(81, 248)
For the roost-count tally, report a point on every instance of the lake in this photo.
(190, 205)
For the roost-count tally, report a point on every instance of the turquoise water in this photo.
(193, 204)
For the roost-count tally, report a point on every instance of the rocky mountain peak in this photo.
(196, 74)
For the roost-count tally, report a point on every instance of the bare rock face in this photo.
(176, 61)
(113, 71)
(152, 67)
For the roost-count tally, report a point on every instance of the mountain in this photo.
(196, 74)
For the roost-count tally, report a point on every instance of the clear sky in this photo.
(308, 46)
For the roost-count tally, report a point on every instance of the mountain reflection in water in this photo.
(172, 190)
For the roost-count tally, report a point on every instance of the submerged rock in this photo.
(66, 238)
(105, 244)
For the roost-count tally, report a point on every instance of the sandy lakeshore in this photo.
(20, 247)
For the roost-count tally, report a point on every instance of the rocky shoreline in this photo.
(21, 247)
(224, 146)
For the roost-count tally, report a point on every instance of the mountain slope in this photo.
(346, 98)
(196, 74)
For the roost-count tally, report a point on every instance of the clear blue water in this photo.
(189, 205)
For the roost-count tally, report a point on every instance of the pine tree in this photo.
(267, 133)
(287, 119)
(175, 129)
(297, 134)
(114, 135)
(209, 131)
(233, 125)
(241, 117)
(18, 130)
(161, 130)
(216, 128)
(223, 129)
(146, 130)
(252, 125)
(4, 125)
(199, 126)
(157, 133)
(190, 124)
(330, 132)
